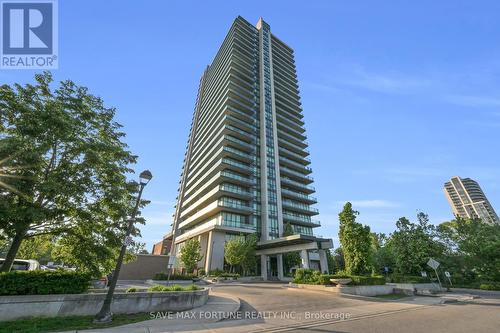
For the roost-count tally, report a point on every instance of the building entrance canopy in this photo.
(293, 243)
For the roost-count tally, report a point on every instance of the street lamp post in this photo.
(105, 315)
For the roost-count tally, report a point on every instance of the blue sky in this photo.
(398, 96)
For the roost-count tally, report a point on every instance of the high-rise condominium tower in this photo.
(468, 200)
(246, 168)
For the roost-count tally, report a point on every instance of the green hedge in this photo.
(398, 278)
(43, 282)
(311, 276)
(164, 276)
(174, 287)
(221, 273)
(367, 280)
(490, 286)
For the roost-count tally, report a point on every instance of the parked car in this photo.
(23, 265)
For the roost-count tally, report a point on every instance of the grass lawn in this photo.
(37, 325)
(391, 296)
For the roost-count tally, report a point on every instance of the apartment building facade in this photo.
(468, 200)
(246, 167)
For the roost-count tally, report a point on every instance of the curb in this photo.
(235, 308)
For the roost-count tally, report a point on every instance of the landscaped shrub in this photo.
(229, 275)
(164, 276)
(367, 280)
(398, 278)
(490, 286)
(310, 276)
(222, 274)
(306, 275)
(175, 287)
(192, 288)
(131, 290)
(43, 282)
(216, 272)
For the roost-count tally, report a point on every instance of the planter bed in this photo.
(349, 290)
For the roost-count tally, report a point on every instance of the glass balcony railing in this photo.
(298, 195)
(301, 219)
(238, 152)
(234, 189)
(236, 224)
(238, 121)
(297, 184)
(303, 207)
(238, 141)
(237, 130)
(225, 202)
(295, 164)
(291, 140)
(238, 164)
(296, 173)
(229, 174)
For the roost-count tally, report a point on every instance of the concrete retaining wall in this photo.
(15, 307)
(350, 290)
(411, 287)
(366, 290)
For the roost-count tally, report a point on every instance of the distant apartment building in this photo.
(468, 200)
(163, 247)
(246, 167)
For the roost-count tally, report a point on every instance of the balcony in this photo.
(298, 195)
(240, 143)
(302, 220)
(224, 202)
(235, 177)
(242, 167)
(296, 175)
(235, 190)
(301, 187)
(301, 208)
(293, 141)
(238, 154)
(294, 165)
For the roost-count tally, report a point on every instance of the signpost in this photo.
(127, 241)
(448, 275)
(171, 263)
(434, 265)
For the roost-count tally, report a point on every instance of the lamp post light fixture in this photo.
(105, 315)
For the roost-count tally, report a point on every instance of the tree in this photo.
(190, 254)
(240, 251)
(383, 255)
(290, 259)
(356, 242)
(338, 257)
(332, 267)
(249, 262)
(474, 245)
(38, 248)
(235, 252)
(413, 244)
(64, 165)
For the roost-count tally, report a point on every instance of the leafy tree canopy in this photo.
(356, 242)
(63, 166)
